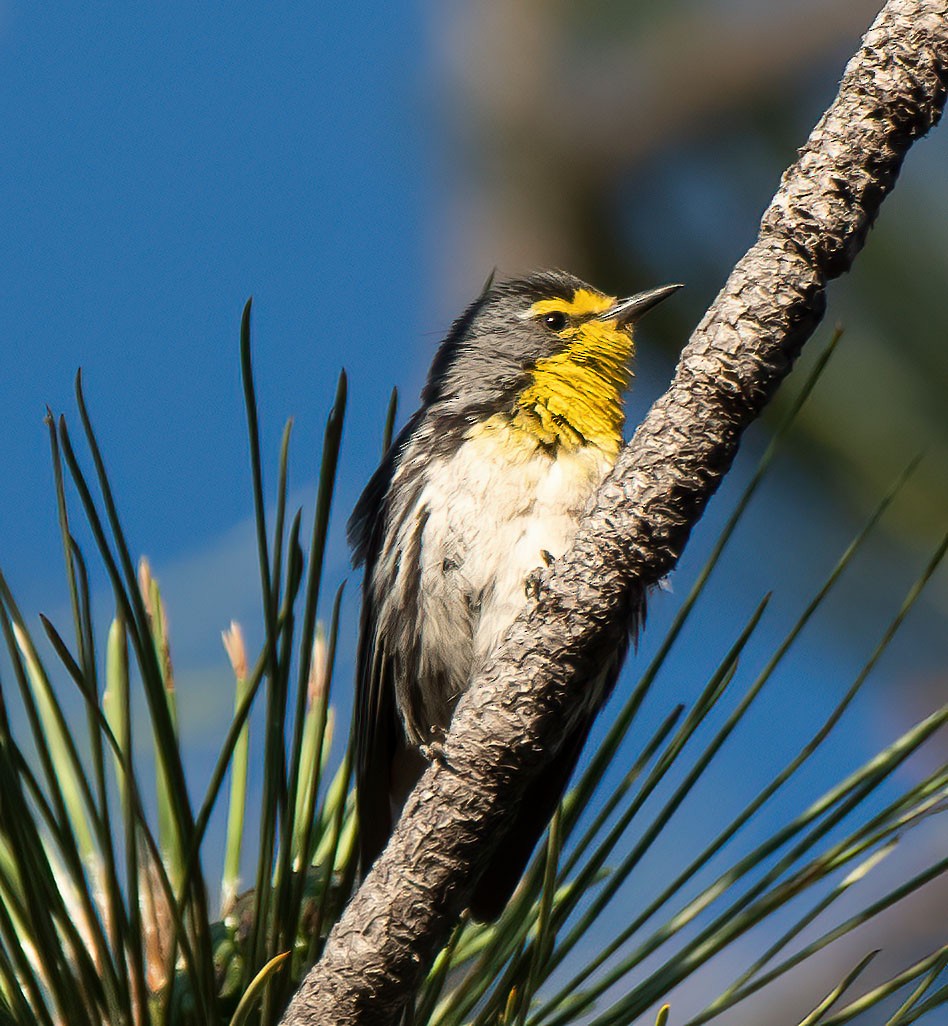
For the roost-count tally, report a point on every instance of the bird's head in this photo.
(547, 354)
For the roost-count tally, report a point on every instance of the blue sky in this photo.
(161, 164)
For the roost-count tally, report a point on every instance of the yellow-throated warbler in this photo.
(520, 420)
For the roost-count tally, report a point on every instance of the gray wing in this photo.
(377, 729)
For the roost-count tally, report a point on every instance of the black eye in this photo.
(555, 320)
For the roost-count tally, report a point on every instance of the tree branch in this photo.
(513, 717)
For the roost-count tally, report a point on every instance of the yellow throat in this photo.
(575, 397)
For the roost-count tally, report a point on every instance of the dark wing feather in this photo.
(377, 733)
(377, 727)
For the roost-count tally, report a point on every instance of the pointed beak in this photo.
(626, 311)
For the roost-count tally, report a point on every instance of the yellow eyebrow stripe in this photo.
(584, 303)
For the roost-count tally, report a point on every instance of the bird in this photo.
(520, 420)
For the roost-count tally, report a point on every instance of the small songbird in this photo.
(520, 420)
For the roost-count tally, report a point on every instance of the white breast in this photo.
(494, 511)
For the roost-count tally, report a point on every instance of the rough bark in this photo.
(512, 718)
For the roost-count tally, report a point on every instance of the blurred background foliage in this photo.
(361, 173)
(640, 143)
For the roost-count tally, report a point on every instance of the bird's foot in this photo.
(433, 752)
(531, 584)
